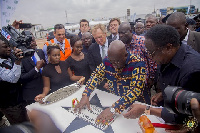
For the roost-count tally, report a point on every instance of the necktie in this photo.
(61, 47)
(103, 52)
(114, 38)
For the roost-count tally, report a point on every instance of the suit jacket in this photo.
(110, 37)
(80, 35)
(94, 55)
(194, 40)
(32, 83)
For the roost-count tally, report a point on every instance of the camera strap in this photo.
(5, 65)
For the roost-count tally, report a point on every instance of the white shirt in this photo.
(106, 48)
(55, 41)
(63, 44)
(186, 37)
(10, 75)
(117, 36)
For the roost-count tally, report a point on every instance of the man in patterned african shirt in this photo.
(125, 74)
(135, 45)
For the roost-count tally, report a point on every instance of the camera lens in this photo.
(178, 100)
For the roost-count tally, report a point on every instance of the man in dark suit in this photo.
(84, 27)
(113, 27)
(178, 21)
(98, 51)
(31, 77)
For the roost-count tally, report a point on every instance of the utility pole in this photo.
(66, 15)
(190, 8)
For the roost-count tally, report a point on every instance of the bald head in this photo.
(125, 34)
(125, 25)
(116, 46)
(87, 39)
(139, 28)
(151, 21)
(178, 21)
(139, 24)
(86, 34)
(117, 54)
(176, 17)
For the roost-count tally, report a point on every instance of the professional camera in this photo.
(178, 100)
(16, 39)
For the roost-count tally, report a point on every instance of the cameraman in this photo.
(10, 70)
(179, 66)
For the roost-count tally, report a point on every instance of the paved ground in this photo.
(40, 42)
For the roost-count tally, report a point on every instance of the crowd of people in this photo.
(159, 53)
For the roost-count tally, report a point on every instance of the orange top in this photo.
(68, 51)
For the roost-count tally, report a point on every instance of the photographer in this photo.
(10, 70)
(179, 66)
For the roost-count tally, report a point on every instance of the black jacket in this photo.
(32, 83)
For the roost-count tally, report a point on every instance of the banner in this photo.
(7, 9)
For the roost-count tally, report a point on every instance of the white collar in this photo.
(116, 35)
(57, 42)
(186, 37)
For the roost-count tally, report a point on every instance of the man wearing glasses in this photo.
(179, 66)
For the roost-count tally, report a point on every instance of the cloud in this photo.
(51, 12)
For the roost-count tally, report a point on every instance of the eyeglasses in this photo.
(151, 54)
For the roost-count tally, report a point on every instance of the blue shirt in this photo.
(10, 75)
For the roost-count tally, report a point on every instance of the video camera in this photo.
(16, 39)
(178, 100)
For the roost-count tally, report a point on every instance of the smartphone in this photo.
(25, 25)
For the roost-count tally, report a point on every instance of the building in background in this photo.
(185, 9)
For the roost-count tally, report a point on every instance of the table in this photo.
(63, 118)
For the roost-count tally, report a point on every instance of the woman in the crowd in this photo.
(56, 74)
(78, 62)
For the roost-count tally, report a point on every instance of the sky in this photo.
(51, 12)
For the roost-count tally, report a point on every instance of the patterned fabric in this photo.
(127, 82)
(137, 47)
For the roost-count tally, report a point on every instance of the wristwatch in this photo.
(147, 110)
(112, 110)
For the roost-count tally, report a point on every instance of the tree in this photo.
(182, 10)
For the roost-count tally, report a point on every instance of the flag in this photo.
(7, 9)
